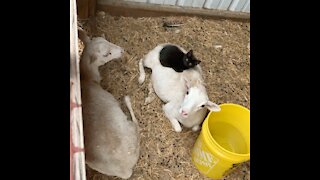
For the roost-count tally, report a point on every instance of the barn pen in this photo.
(218, 32)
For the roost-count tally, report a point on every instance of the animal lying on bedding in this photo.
(184, 93)
(111, 141)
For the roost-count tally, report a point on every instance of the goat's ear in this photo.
(93, 58)
(213, 106)
(102, 35)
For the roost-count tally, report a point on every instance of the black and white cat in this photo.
(172, 56)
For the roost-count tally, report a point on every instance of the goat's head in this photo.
(196, 98)
(102, 51)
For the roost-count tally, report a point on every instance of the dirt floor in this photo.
(221, 45)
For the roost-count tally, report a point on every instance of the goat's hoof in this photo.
(178, 129)
(195, 128)
(141, 80)
(148, 100)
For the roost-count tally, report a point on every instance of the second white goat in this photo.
(184, 93)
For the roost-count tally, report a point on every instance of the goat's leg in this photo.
(195, 128)
(146, 61)
(167, 108)
(142, 75)
(151, 94)
(127, 101)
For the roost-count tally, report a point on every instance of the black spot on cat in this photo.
(171, 56)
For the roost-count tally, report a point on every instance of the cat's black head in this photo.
(189, 60)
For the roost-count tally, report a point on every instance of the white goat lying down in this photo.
(111, 141)
(184, 93)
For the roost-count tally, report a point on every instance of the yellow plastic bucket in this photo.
(223, 141)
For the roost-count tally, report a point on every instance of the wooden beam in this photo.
(83, 9)
(86, 8)
(135, 9)
(92, 8)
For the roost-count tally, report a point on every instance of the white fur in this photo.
(111, 141)
(171, 87)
